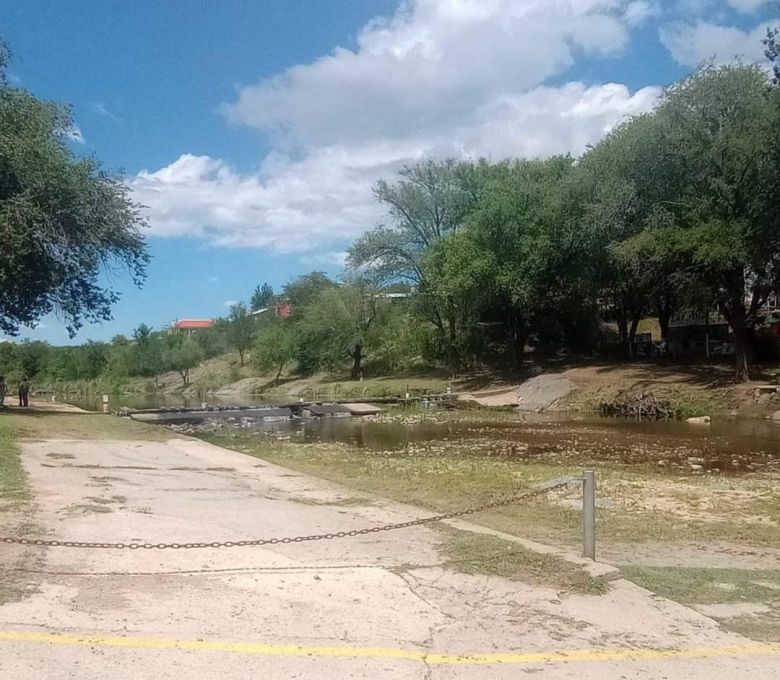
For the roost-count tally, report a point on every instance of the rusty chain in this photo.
(293, 539)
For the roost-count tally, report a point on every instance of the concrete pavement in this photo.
(372, 606)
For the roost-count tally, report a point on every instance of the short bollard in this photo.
(105, 404)
(589, 514)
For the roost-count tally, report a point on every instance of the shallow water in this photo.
(725, 447)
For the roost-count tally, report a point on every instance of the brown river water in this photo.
(727, 446)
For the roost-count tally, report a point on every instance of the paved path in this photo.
(377, 606)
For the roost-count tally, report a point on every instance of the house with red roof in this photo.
(191, 325)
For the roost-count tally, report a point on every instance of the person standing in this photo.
(24, 392)
(3, 390)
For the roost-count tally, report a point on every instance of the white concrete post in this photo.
(589, 514)
(105, 403)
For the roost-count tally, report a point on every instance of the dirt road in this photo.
(373, 606)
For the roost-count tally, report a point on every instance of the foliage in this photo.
(181, 354)
(275, 347)
(341, 323)
(240, 329)
(63, 220)
(261, 296)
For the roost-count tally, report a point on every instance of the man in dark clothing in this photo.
(24, 392)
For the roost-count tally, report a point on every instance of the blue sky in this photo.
(253, 130)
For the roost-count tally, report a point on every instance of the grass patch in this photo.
(719, 586)
(448, 479)
(13, 479)
(53, 425)
(14, 504)
(708, 586)
(472, 553)
(764, 628)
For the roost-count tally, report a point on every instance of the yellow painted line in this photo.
(262, 649)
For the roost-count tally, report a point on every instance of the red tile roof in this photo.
(189, 324)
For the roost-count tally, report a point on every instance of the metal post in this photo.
(589, 514)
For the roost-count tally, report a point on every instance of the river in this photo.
(727, 446)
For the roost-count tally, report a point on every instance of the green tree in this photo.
(63, 220)
(240, 329)
(303, 290)
(722, 127)
(261, 296)
(32, 357)
(182, 354)
(275, 347)
(147, 351)
(340, 324)
(429, 201)
(529, 264)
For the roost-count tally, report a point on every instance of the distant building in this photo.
(191, 325)
(279, 308)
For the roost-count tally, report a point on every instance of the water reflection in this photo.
(725, 447)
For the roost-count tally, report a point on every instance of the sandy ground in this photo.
(366, 607)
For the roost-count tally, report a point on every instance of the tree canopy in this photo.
(63, 220)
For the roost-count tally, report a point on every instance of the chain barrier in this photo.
(294, 539)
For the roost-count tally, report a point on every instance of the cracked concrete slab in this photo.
(367, 606)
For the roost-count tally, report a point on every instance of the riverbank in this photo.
(693, 390)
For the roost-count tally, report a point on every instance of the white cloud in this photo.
(428, 66)
(639, 11)
(461, 78)
(691, 44)
(333, 259)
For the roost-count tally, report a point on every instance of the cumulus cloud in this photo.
(462, 78)
(691, 44)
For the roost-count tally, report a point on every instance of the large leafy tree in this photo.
(275, 347)
(518, 226)
(341, 325)
(703, 198)
(725, 123)
(63, 220)
(429, 201)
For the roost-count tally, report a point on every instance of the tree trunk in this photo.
(664, 319)
(278, 374)
(517, 340)
(241, 355)
(185, 376)
(451, 345)
(632, 332)
(622, 324)
(357, 361)
(742, 355)
(741, 323)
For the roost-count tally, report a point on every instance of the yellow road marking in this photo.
(262, 649)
